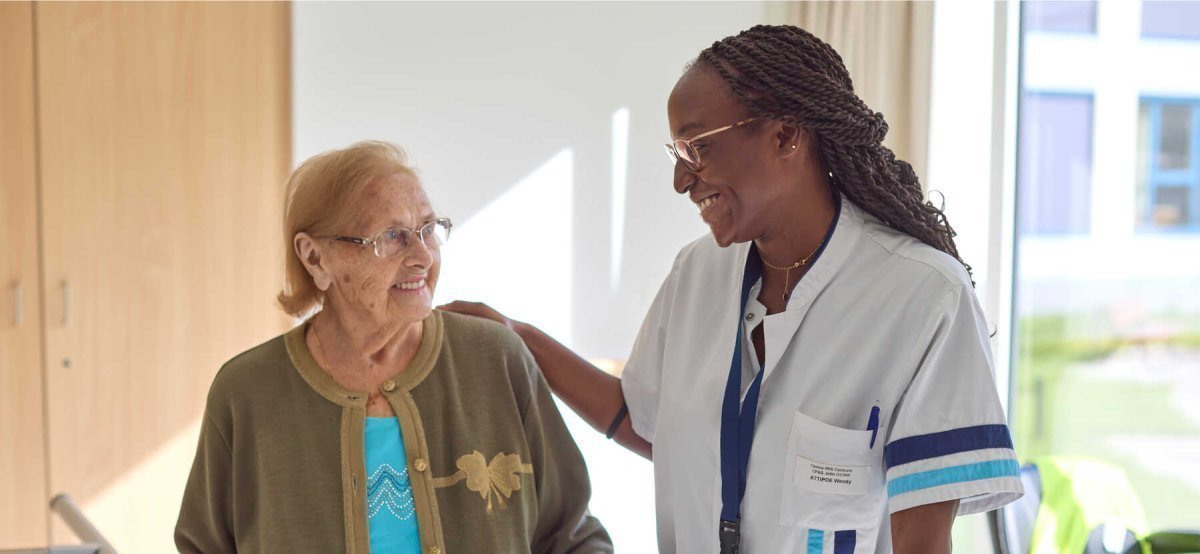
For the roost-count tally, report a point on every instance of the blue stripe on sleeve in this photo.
(816, 541)
(922, 447)
(843, 542)
(951, 475)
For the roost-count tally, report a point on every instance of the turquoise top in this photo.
(392, 518)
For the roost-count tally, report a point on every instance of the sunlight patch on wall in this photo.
(118, 511)
(620, 178)
(516, 253)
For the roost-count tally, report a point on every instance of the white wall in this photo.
(538, 128)
(962, 113)
(969, 149)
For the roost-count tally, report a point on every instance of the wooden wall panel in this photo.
(22, 441)
(165, 142)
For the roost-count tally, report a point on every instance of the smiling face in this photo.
(745, 187)
(356, 282)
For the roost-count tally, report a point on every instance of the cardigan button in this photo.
(389, 386)
(421, 465)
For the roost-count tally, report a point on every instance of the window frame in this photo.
(1157, 178)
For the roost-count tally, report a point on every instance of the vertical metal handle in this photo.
(18, 312)
(66, 290)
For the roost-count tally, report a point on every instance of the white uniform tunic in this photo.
(880, 320)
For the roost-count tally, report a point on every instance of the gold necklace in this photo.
(787, 271)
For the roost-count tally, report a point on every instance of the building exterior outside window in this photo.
(1107, 284)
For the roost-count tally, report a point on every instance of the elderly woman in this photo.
(379, 424)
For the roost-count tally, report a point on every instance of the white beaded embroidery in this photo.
(388, 488)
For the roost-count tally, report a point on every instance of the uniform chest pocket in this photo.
(833, 479)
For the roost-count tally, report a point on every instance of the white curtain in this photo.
(887, 47)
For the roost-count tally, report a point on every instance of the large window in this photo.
(1106, 308)
(1169, 163)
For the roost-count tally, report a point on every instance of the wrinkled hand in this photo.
(478, 309)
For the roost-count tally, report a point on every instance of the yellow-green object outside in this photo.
(1078, 495)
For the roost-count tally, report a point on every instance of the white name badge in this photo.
(831, 479)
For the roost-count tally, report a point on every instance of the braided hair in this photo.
(787, 74)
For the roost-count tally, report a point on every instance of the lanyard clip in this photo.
(730, 536)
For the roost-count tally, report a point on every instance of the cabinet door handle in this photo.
(66, 291)
(18, 312)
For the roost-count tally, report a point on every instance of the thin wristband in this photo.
(616, 422)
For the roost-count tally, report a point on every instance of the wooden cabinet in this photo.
(163, 140)
(22, 424)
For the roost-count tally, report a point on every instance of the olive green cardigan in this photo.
(492, 466)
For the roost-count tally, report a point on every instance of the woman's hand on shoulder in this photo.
(478, 309)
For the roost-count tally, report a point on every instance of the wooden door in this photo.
(23, 494)
(165, 143)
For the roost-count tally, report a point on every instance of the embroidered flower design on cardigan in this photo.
(494, 481)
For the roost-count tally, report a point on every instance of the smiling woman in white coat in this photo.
(816, 375)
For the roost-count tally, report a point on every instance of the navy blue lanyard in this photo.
(737, 429)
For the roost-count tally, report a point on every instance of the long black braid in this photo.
(787, 74)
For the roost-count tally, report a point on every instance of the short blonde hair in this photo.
(321, 198)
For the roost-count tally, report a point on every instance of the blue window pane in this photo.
(1063, 16)
(1054, 165)
(1171, 19)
